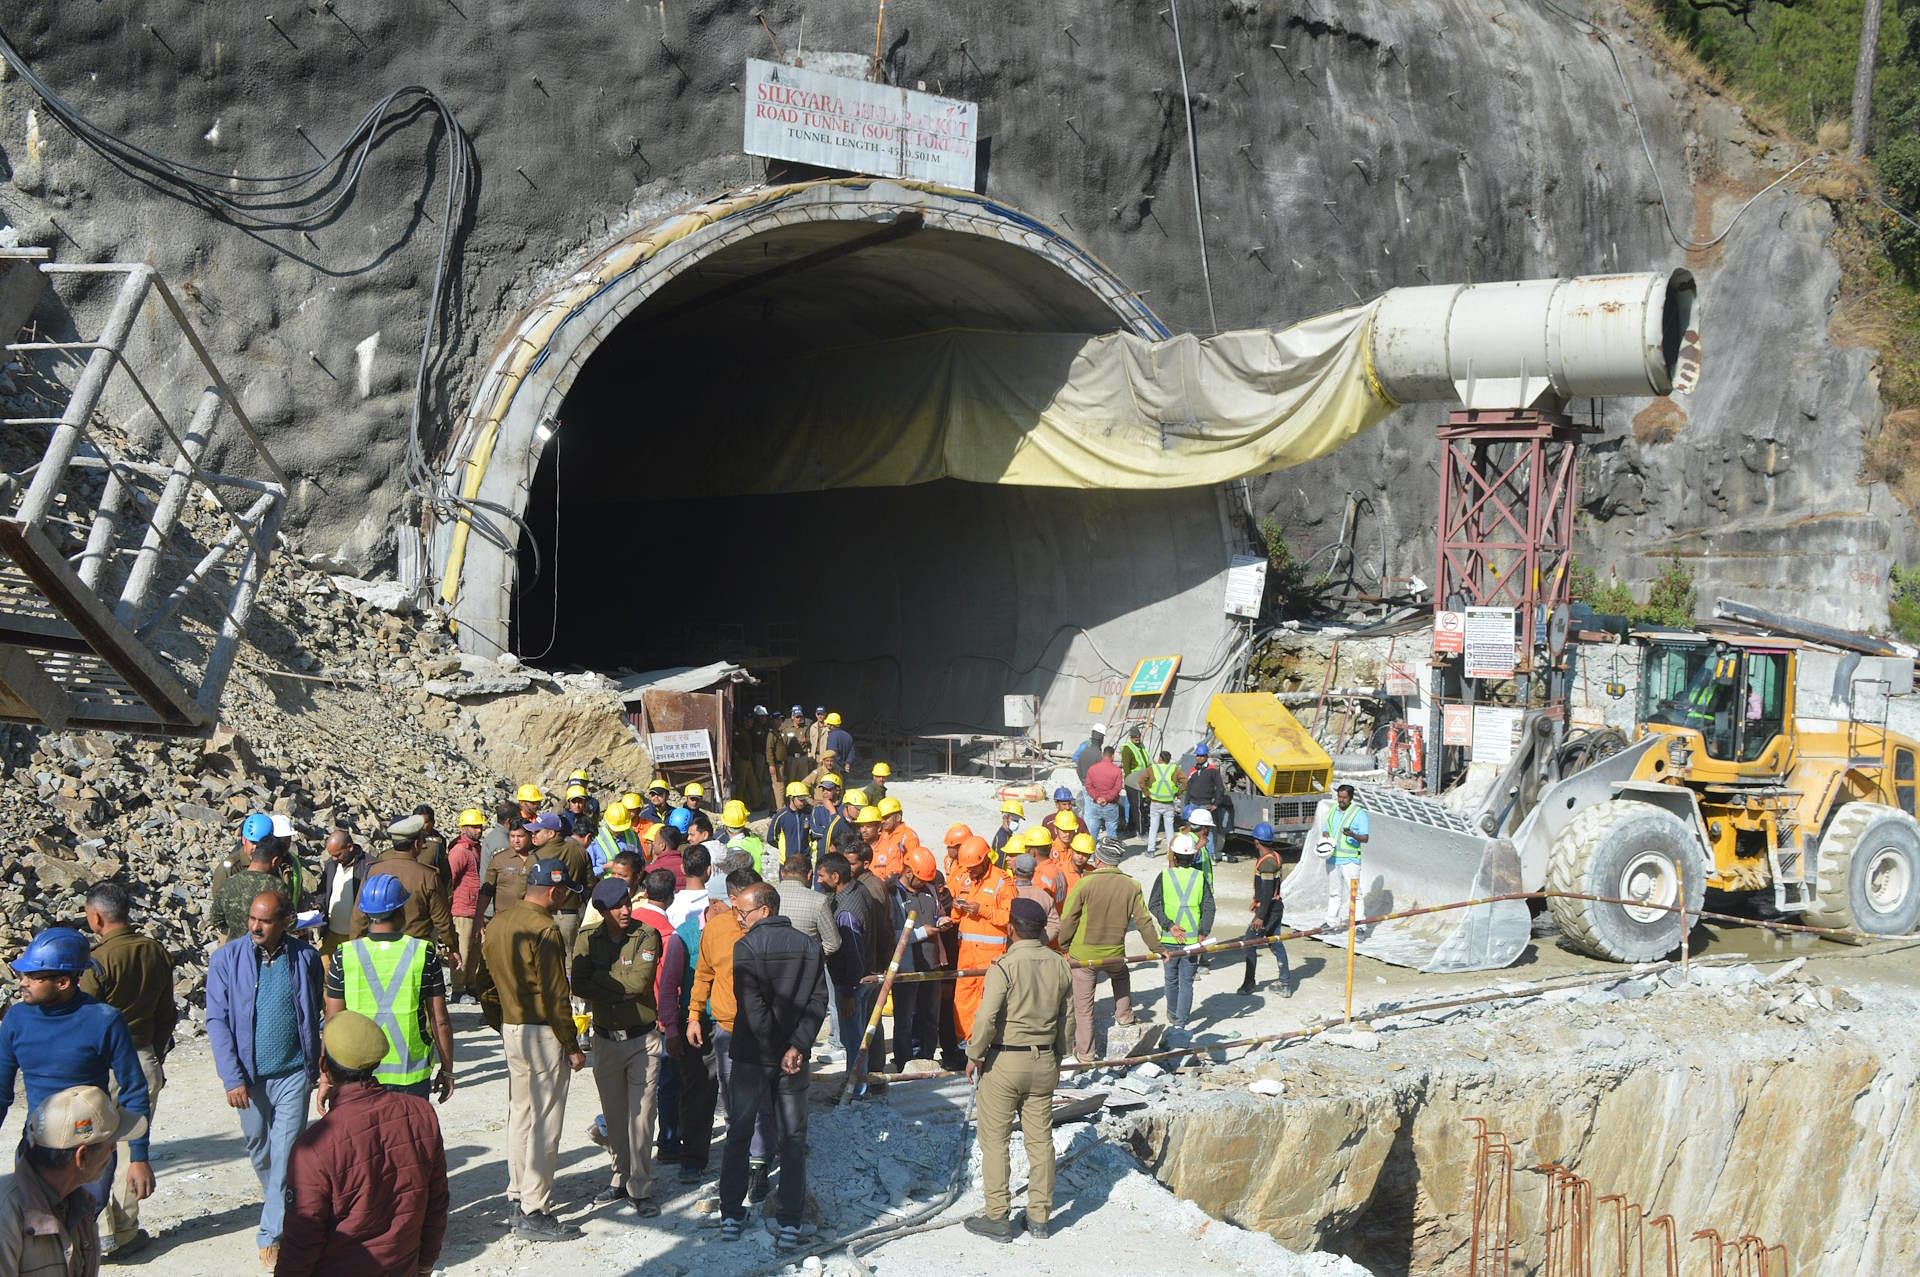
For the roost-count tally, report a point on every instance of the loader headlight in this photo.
(1679, 752)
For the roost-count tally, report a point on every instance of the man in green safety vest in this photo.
(1133, 759)
(1161, 784)
(733, 818)
(1342, 833)
(1182, 905)
(397, 981)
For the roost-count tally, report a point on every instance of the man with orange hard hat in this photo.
(916, 1015)
(956, 834)
(981, 897)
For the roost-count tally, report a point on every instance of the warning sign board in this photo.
(1489, 641)
(1493, 730)
(1456, 725)
(1449, 633)
(680, 747)
(1152, 675)
(1401, 680)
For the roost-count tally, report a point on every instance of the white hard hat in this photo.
(1098, 729)
(1184, 845)
(1200, 818)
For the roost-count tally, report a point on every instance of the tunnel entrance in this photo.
(659, 529)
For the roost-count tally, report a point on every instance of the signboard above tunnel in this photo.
(837, 122)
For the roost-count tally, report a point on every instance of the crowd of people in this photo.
(694, 961)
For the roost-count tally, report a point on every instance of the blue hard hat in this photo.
(257, 827)
(680, 818)
(55, 949)
(1200, 750)
(1063, 795)
(383, 893)
(1263, 832)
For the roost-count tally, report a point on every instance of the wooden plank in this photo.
(152, 681)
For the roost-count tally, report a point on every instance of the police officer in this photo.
(425, 912)
(397, 981)
(1267, 872)
(1020, 1035)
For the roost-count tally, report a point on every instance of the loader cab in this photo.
(1734, 692)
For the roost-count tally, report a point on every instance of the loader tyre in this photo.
(1630, 850)
(1868, 868)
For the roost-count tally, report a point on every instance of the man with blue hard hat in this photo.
(399, 982)
(228, 914)
(1267, 873)
(58, 1037)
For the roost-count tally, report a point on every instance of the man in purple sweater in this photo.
(60, 1037)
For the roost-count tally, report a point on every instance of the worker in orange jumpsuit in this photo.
(897, 838)
(950, 867)
(1079, 861)
(1048, 876)
(868, 824)
(981, 898)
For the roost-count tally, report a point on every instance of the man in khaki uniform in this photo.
(550, 839)
(426, 916)
(1020, 1035)
(47, 1225)
(526, 967)
(614, 966)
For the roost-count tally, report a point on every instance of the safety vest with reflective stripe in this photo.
(756, 846)
(383, 981)
(1180, 900)
(1336, 832)
(1164, 785)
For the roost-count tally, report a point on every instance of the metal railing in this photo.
(129, 571)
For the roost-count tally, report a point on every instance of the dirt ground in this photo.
(869, 1161)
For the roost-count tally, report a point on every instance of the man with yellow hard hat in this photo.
(463, 892)
(531, 800)
(877, 787)
(790, 834)
(1012, 812)
(614, 836)
(692, 795)
(657, 808)
(840, 741)
(733, 819)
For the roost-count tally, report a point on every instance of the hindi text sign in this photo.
(832, 121)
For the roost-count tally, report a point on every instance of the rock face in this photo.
(1806, 1137)
(1340, 153)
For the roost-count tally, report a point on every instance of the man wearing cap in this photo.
(1088, 752)
(981, 897)
(229, 913)
(263, 1025)
(578, 814)
(505, 880)
(527, 965)
(367, 1183)
(615, 968)
(550, 841)
(58, 1036)
(340, 881)
(427, 915)
(817, 733)
(1020, 1037)
(1094, 922)
(398, 981)
(1182, 906)
(1022, 868)
(733, 818)
(429, 848)
(463, 889)
(1341, 834)
(1266, 921)
(1201, 830)
(47, 1226)
(133, 974)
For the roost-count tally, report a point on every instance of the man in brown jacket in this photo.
(526, 966)
(367, 1183)
(133, 974)
(614, 966)
(1094, 924)
(426, 916)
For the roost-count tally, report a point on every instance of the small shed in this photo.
(688, 716)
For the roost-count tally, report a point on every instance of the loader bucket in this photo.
(1421, 854)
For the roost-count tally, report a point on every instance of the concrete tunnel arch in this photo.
(863, 256)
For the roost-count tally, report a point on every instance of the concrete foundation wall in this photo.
(1385, 142)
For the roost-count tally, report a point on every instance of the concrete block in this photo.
(1354, 1039)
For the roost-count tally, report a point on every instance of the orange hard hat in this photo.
(957, 834)
(920, 864)
(974, 851)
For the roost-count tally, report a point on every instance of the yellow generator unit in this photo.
(1285, 771)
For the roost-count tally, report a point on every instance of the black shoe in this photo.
(127, 1249)
(1001, 1230)
(1038, 1230)
(757, 1186)
(1246, 986)
(690, 1174)
(608, 1196)
(544, 1228)
(644, 1207)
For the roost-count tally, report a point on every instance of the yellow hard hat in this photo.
(1037, 837)
(578, 775)
(734, 814)
(857, 797)
(1066, 822)
(1083, 843)
(868, 816)
(472, 816)
(833, 719)
(831, 778)
(618, 818)
(576, 791)
(1014, 808)
(633, 801)
(882, 770)
(889, 806)
(658, 786)
(695, 790)
(796, 789)
(529, 794)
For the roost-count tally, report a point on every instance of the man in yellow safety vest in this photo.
(1160, 781)
(397, 981)
(1182, 905)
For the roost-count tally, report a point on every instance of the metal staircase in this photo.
(128, 568)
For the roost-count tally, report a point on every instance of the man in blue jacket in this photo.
(60, 1037)
(263, 1023)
